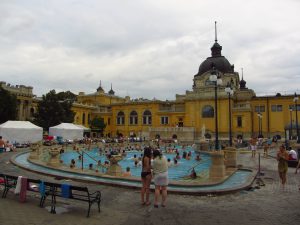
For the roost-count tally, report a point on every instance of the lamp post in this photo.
(216, 79)
(297, 130)
(229, 91)
(261, 135)
(291, 123)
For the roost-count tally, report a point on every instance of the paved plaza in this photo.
(264, 204)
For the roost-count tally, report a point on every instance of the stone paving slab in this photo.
(268, 205)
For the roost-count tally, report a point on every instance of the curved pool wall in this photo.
(241, 179)
(175, 172)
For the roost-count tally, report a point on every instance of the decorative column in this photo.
(217, 169)
(114, 168)
(230, 157)
(35, 150)
(54, 157)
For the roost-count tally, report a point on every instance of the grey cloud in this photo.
(145, 48)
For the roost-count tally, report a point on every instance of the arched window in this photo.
(133, 118)
(121, 118)
(208, 112)
(147, 118)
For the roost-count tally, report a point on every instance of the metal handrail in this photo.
(197, 164)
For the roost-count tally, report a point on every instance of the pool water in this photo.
(236, 181)
(175, 172)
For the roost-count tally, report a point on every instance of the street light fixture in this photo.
(229, 91)
(216, 79)
(297, 130)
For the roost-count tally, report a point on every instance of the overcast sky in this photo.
(146, 48)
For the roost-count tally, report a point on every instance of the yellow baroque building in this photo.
(26, 101)
(192, 113)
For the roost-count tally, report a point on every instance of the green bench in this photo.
(54, 190)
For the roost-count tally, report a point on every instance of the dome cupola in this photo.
(100, 89)
(242, 82)
(216, 60)
(111, 91)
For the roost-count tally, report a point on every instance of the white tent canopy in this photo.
(21, 132)
(67, 131)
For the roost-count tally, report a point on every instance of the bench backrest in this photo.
(76, 192)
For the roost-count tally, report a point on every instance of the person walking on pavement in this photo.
(282, 158)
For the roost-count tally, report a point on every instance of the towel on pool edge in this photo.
(65, 190)
(18, 186)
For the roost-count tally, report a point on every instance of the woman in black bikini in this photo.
(146, 175)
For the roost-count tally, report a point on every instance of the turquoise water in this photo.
(175, 172)
(238, 179)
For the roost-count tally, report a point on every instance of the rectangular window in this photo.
(147, 120)
(260, 108)
(273, 108)
(239, 121)
(133, 120)
(164, 120)
(276, 108)
(294, 108)
(120, 120)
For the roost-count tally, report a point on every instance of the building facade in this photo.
(189, 114)
(26, 101)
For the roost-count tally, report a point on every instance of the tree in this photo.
(54, 109)
(8, 106)
(67, 96)
(98, 124)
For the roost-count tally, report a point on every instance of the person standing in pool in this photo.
(146, 176)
